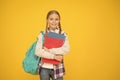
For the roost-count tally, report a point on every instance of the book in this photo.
(53, 40)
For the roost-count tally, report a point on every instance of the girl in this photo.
(47, 70)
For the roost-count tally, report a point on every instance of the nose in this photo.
(54, 21)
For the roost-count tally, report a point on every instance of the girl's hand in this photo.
(58, 57)
(46, 49)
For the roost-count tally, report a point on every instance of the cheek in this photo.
(57, 22)
(49, 21)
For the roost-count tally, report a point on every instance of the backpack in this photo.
(31, 61)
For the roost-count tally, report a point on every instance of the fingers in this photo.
(59, 57)
(46, 49)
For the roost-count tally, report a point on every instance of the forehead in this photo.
(54, 15)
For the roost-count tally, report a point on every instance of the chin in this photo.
(53, 27)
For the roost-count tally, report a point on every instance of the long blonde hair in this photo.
(59, 25)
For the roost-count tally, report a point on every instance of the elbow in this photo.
(37, 53)
(66, 51)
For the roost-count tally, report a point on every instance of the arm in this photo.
(62, 50)
(40, 51)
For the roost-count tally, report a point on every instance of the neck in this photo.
(53, 29)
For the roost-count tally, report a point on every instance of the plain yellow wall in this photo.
(93, 28)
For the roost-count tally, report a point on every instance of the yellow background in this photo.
(93, 28)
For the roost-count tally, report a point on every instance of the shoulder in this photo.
(42, 32)
(63, 32)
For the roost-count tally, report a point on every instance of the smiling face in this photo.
(53, 21)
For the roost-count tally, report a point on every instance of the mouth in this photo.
(53, 25)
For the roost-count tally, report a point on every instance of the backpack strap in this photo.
(42, 37)
(40, 66)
